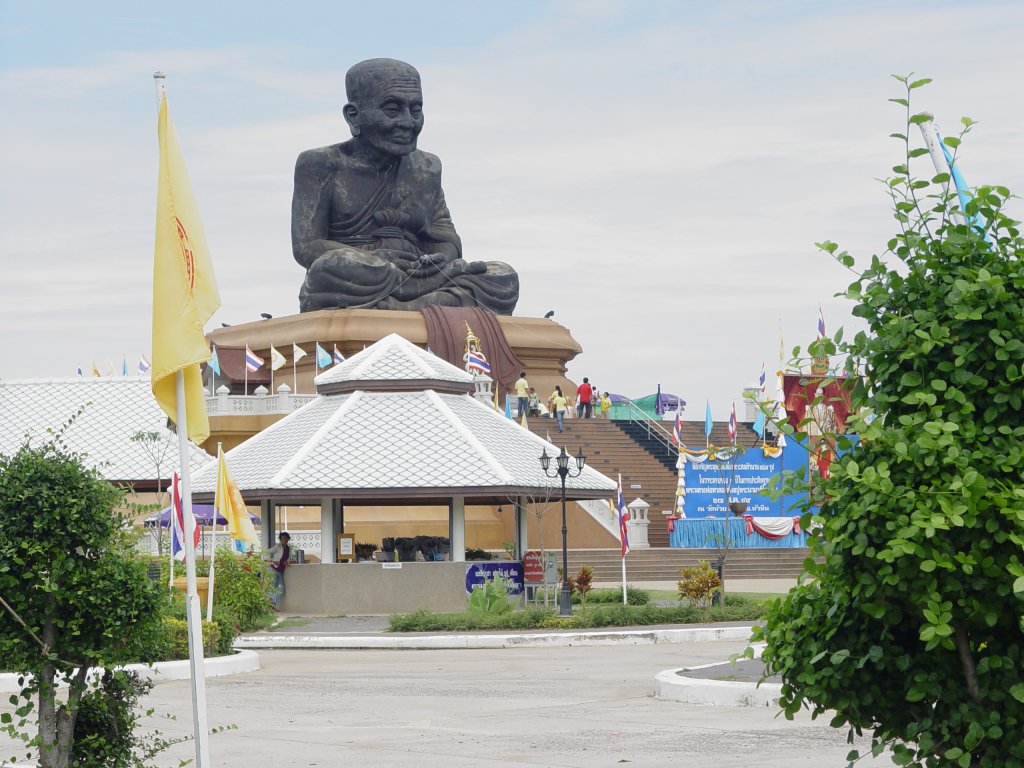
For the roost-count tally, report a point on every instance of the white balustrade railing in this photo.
(224, 404)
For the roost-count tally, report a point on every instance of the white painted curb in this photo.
(216, 666)
(518, 640)
(674, 685)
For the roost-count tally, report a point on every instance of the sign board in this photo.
(747, 474)
(511, 571)
(391, 566)
(346, 546)
(533, 567)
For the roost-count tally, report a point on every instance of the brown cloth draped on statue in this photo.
(446, 337)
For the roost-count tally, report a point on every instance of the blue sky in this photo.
(658, 172)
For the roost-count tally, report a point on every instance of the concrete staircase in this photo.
(611, 451)
(665, 564)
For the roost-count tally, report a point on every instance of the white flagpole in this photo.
(295, 388)
(271, 356)
(170, 540)
(197, 665)
(624, 601)
(213, 549)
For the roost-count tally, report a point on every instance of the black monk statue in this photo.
(369, 220)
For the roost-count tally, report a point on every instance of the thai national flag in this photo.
(478, 363)
(677, 429)
(762, 379)
(338, 357)
(252, 361)
(144, 364)
(821, 324)
(620, 504)
(178, 524)
(732, 424)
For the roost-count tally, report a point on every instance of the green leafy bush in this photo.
(242, 585)
(177, 630)
(699, 585)
(634, 596)
(593, 616)
(490, 597)
(912, 625)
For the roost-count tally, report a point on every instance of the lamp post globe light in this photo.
(562, 471)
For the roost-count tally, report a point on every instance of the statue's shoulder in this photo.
(322, 160)
(424, 163)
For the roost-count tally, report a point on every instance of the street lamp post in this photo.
(562, 472)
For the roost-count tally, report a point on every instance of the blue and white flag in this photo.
(323, 357)
(732, 425)
(821, 324)
(338, 357)
(80, 372)
(708, 423)
(762, 380)
(214, 361)
(145, 365)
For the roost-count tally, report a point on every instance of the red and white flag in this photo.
(732, 424)
(623, 513)
(178, 524)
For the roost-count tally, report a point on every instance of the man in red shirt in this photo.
(584, 395)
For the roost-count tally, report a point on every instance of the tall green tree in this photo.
(912, 625)
(73, 594)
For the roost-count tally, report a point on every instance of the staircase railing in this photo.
(653, 429)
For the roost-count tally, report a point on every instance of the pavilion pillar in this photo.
(267, 523)
(327, 532)
(457, 528)
(520, 523)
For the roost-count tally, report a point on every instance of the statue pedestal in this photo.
(544, 346)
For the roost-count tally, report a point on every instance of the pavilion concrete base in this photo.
(374, 588)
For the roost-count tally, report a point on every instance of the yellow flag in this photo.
(184, 288)
(231, 506)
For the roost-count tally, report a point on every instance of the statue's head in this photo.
(385, 105)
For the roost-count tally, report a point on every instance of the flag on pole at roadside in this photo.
(178, 523)
(298, 353)
(230, 505)
(623, 515)
(277, 360)
(759, 424)
(184, 287)
(323, 357)
(732, 424)
(144, 364)
(708, 423)
(253, 362)
(338, 357)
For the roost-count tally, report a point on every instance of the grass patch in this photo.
(584, 617)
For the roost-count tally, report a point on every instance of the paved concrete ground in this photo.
(561, 707)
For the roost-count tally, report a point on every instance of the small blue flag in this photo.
(79, 372)
(759, 424)
(124, 365)
(708, 423)
(508, 406)
(214, 363)
(323, 357)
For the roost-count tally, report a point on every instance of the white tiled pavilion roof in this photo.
(392, 359)
(404, 444)
(115, 408)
